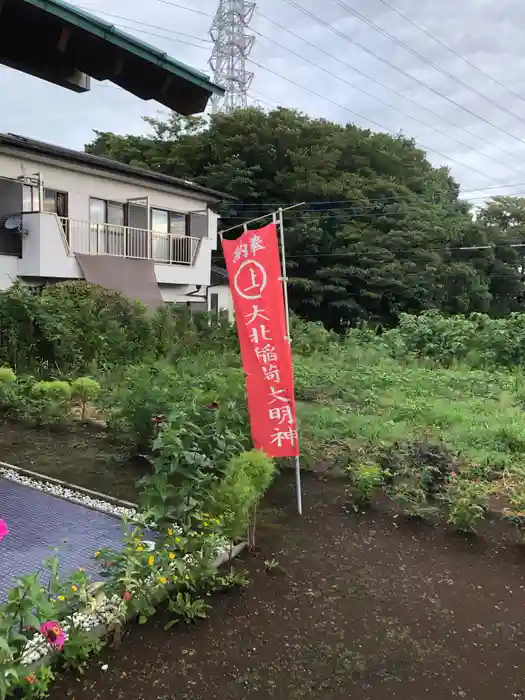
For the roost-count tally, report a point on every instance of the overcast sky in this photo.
(488, 34)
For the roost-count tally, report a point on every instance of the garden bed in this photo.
(360, 608)
(79, 454)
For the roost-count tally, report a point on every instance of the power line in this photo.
(382, 84)
(293, 4)
(144, 24)
(372, 121)
(449, 48)
(185, 7)
(423, 58)
(162, 36)
(379, 201)
(380, 100)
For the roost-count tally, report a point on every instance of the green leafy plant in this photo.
(50, 402)
(411, 497)
(7, 376)
(187, 609)
(8, 390)
(79, 649)
(365, 479)
(466, 502)
(245, 481)
(515, 512)
(36, 685)
(86, 390)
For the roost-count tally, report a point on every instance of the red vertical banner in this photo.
(254, 272)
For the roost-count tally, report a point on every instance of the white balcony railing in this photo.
(128, 242)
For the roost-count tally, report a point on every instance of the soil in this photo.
(362, 606)
(79, 454)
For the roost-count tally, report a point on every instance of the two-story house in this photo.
(70, 215)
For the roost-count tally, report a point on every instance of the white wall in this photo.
(225, 299)
(81, 183)
(8, 270)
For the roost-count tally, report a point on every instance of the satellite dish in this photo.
(14, 222)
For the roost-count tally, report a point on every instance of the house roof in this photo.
(33, 147)
(67, 46)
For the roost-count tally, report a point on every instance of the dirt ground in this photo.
(366, 607)
(81, 455)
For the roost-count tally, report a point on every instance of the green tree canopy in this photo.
(379, 233)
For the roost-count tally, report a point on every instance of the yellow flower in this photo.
(170, 532)
(74, 589)
(61, 597)
(172, 556)
(151, 561)
(97, 554)
(140, 548)
(163, 580)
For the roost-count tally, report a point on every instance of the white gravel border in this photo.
(64, 491)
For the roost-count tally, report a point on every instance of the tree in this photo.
(378, 234)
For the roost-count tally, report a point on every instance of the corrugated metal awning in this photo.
(134, 279)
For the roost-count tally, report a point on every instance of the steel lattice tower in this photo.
(232, 46)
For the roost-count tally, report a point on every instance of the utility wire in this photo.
(144, 24)
(162, 36)
(185, 7)
(391, 65)
(380, 83)
(384, 102)
(338, 206)
(361, 116)
(449, 48)
(510, 167)
(423, 58)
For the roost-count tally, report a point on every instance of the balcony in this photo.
(86, 238)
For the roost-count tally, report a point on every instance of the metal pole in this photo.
(284, 279)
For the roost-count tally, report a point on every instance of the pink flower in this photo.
(53, 633)
(126, 596)
(3, 530)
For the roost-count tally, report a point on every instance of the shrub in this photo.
(246, 479)
(131, 405)
(467, 503)
(50, 402)
(85, 390)
(7, 390)
(411, 497)
(7, 376)
(192, 449)
(365, 479)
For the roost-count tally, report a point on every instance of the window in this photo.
(178, 224)
(163, 221)
(30, 198)
(160, 221)
(55, 202)
(97, 211)
(107, 226)
(115, 214)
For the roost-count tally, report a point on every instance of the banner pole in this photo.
(298, 487)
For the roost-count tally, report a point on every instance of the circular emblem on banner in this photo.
(252, 288)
